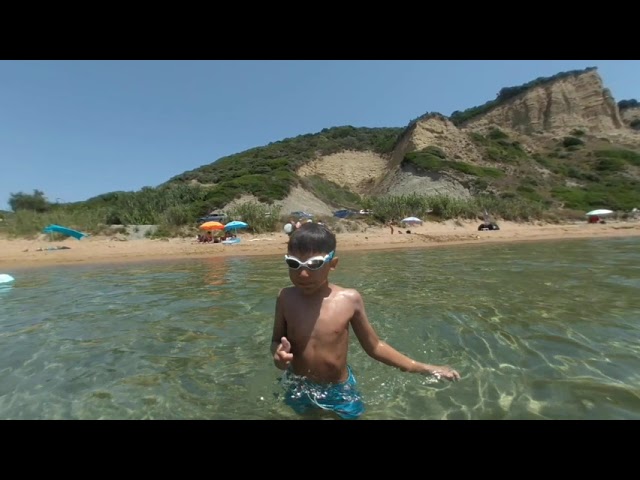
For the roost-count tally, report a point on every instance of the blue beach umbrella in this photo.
(235, 225)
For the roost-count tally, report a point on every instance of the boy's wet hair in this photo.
(312, 238)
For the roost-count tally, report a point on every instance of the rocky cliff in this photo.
(435, 130)
(630, 115)
(552, 140)
(431, 130)
(574, 102)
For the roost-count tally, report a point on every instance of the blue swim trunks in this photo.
(342, 398)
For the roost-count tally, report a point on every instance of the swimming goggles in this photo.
(314, 263)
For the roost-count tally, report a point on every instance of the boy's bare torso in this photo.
(317, 326)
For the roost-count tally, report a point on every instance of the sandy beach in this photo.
(23, 253)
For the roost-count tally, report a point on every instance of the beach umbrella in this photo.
(602, 211)
(212, 226)
(411, 220)
(235, 225)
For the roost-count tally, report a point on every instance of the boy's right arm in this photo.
(384, 352)
(280, 346)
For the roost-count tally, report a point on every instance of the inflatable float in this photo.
(64, 231)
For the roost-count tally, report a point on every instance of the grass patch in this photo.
(622, 195)
(446, 207)
(331, 193)
(497, 147)
(430, 160)
(627, 156)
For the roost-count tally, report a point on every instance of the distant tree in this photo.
(23, 201)
(571, 141)
(624, 104)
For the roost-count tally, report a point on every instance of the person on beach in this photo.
(290, 227)
(311, 331)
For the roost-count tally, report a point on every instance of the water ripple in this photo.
(538, 331)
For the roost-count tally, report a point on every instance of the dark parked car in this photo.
(344, 213)
(301, 214)
(488, 226)
(212, 217)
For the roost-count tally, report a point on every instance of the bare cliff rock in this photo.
(630, 114)
(430, 131)
(406, 181)
(534, 116)
(573, 102)
(351, 169)
(439, 131)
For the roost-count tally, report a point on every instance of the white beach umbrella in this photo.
(602, 211)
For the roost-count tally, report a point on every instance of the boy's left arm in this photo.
(384, 352)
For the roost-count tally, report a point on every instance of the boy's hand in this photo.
(283, 355)
(443, 372)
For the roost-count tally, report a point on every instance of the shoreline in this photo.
(18, 254)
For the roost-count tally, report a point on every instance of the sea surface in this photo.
(544, 330)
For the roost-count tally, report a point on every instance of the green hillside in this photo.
(574, 173)
(565, 177)
(268, 172)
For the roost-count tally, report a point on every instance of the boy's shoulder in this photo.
(349, 291)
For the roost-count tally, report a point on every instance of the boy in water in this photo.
(311, 331)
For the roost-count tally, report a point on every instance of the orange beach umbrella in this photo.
(212, 226)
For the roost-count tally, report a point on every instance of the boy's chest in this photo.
(326, 321)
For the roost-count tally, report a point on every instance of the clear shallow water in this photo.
(538, 331)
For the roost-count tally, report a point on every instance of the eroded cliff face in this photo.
(440, 132)
(630, 114)
(577, 102)
(407, 181)
(435, 131)
(534, 118)
(354, 170)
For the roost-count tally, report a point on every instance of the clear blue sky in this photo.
(76, 129)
